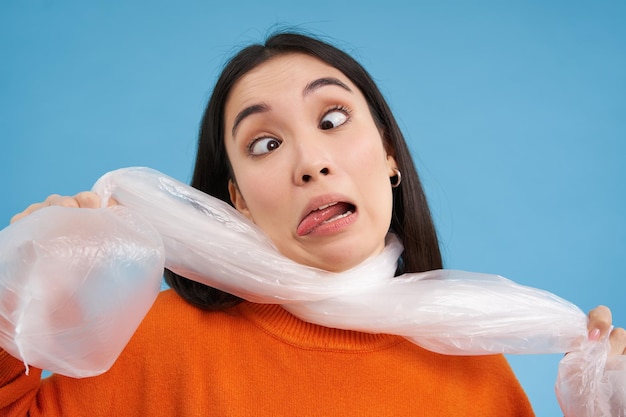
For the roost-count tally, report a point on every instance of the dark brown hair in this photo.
(411, 217)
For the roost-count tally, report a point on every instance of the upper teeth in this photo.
(326, 206)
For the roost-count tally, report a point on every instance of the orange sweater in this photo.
(259, 360)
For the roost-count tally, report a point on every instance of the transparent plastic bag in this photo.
(210, 242)
(74, 286)
(450, 312)
(590, 383)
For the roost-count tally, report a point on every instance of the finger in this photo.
(618, 342)
(87, 199)
(29, 210)
(52, 200)
(64, 201)
(79, 200)
(599, 324)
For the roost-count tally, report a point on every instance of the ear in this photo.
(237, 199)
(392, 165)
(390, 152)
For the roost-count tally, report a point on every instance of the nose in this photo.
(312, 162)
(308, 177)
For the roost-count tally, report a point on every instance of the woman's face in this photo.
(310, 166)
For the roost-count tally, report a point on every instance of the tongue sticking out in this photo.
(326, 215)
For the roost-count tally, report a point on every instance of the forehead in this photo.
(283, 74)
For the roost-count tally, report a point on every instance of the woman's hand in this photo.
(85, 199)
(600, 322)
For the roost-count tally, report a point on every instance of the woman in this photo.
(299, 139)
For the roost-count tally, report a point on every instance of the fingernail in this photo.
(594, 335)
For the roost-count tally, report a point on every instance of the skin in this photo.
(305, 148)
(348, 160)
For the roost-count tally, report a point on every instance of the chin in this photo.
(335, 255)
(338, 260)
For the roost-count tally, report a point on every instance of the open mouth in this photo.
(325, 215)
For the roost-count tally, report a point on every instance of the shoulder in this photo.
(173, 326)
(169, 303)
(171, 313)
(487, 379)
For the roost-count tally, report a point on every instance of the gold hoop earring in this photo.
(398, 178)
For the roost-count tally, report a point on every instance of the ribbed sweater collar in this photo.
(281, 324)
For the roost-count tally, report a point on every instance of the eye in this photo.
(334, 118)
(262, 146)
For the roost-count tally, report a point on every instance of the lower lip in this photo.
(331, 228)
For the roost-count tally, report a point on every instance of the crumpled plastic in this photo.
(75, 285)
(590, 383)
(204, 239)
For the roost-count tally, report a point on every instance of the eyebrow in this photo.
(248, 111)
(308, 90)
(321, 82)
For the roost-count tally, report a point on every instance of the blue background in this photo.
(515, 112)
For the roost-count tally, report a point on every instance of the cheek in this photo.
(367, 159)
(257, 184)
(263, 193)
(369, 164)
